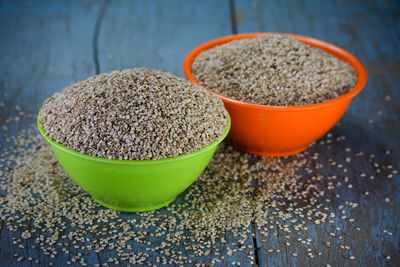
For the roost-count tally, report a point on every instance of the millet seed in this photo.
(134, 114)
(273, 70)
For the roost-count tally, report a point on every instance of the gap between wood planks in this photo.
(99, 21)
(233, 19)
(232, 10)
(1, 231)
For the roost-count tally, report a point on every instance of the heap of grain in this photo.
(273, 70)
(134, 114)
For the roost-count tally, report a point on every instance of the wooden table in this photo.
(47, 45)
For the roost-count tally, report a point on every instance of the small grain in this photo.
(273, 70)
(134, 114)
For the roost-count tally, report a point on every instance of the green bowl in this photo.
(133, 185)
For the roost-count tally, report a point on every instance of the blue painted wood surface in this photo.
(46, 45)
(371, 31)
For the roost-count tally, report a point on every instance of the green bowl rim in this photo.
(133, 162)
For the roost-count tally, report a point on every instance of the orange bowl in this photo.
(282, 130)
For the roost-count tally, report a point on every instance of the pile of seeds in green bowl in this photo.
(273, 70)
(134, 114)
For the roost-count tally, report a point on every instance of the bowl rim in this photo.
(132, 161)
(327, 47)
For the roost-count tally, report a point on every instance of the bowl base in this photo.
(134, 209)
(270, 154)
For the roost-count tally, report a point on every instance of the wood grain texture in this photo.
(158, 34)
(46, 45)
(370, 31)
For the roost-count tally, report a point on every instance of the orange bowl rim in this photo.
(328, 47)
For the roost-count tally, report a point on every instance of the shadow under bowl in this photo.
(281, 130)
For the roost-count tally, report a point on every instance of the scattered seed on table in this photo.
(222, 202)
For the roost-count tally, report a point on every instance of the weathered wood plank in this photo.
(44, 47)
(369, 30)
(158, 34)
